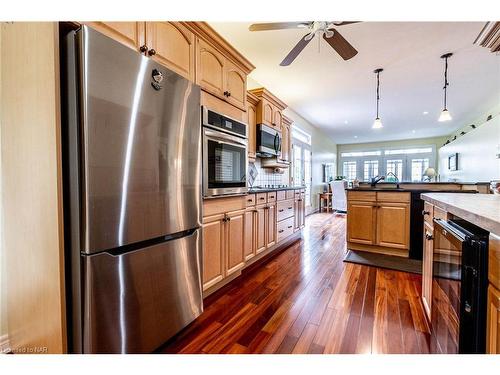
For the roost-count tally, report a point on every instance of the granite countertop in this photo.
(266, 189)
(482, 210)
(427, 183)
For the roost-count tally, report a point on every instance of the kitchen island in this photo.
(482, 210)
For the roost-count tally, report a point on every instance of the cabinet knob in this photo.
(151, 52)
(143, 48)
(425, 212)
(227, 94)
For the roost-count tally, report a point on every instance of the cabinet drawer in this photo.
(281, 195)
(261, 198)
(214, 206)
(428, 213)
(250, 200)
(285, 209)
(290, 194)
(285, 228)
(393, 197)
(271, 197)
(440, 214)
(366, 196)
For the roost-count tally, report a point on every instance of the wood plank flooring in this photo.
(306, 300)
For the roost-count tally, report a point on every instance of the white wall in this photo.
(3, 310)
(324, 150)
(477, 151)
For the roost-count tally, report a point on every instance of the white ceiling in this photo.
(339, 96)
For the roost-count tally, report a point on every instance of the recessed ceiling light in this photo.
(355, 136)
(425, 112)
(346, 122)
(413, 131)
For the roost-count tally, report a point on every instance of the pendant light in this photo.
(445, 115)
(377, 124)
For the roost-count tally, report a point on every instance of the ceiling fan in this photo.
(320, 28)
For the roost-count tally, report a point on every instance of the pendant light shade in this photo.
(445, 114)
(377, 124)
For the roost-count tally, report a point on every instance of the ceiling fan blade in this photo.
(278, 25)
(342, 46)
(292, 55)
(342, 23)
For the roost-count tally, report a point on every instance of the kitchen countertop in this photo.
(482, 210)
(265, 189)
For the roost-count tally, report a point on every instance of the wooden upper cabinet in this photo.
(361, 222)
(131, 34)
(236, 85)
(235, 241)
(252, 102)
(265, 113)
(393, 225)
(213, 257)
(210, 69)
(285, 141)
(172, 44)
(277, 118)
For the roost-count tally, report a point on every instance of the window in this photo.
(349, 170)
(418, 166)
(370, 169)
(360, 153)
(301, 136)
(409, 151)
(301, 161)
(395, 166)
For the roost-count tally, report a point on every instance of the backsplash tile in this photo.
(267, 176)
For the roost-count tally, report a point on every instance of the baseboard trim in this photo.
(4, 344)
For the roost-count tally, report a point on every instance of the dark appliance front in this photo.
(268, 141)
(459, 287)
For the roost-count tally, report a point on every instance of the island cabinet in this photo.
(379, 222)
(427, 259)
(493, 313)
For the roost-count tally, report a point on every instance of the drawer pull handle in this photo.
(250, 200)
(281, 231)
(289, 226)
(281, 210)
(428, 236)
(262, 198)
(290, 208)
(424, 212)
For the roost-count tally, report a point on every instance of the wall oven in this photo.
(268, 141)
(459, 287)
(225, 155)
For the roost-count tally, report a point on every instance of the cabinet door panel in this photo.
(249, 234)
(285, 145)
(265, 112)
(236, 85)
(361, 222)
(174, 46)
(277, 118)
(493, 321)
(260, 229)
(213, 267)
(393, 225)
(234, 244)
(252, 129)
(427, 269)
(210, 69)
(271, 225)
(130, 34)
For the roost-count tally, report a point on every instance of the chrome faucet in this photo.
(376, 179)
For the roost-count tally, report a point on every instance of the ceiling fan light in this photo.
(328, 33)
(445, 116)
(377, 124)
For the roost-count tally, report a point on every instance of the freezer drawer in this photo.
(136, 301)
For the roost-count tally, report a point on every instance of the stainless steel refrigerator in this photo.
(132, 172)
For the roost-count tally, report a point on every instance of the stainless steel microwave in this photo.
(268, 141)
(225, 155)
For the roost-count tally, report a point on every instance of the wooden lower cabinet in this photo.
(393, 225)
(361, 221)
(249, 234)
(235, 226)
(427, 259)
(493, 321)
(260, 229)
(213, 252)
(271, 225)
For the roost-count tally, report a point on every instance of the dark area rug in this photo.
(384, 261)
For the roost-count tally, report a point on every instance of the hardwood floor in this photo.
(306, 300)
